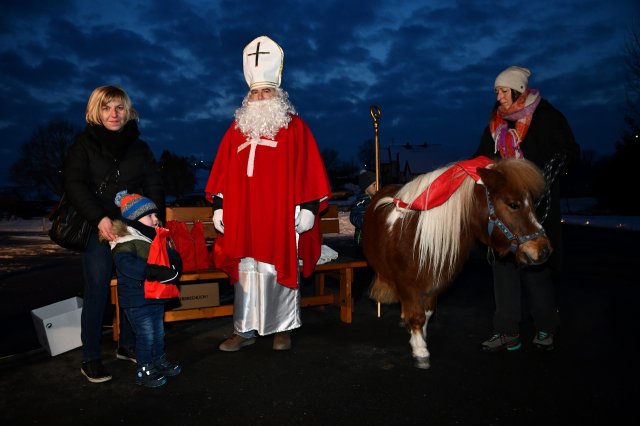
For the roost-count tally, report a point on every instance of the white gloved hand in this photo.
(217, 221)
(304, 221)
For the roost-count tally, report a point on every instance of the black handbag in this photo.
(69, 229)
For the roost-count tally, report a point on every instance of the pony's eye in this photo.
(514, 205)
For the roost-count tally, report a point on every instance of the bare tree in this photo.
(367, 154)
(42, 155)
(615, 172)
(177, 173)
(338, 170)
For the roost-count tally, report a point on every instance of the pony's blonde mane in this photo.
(438, 231)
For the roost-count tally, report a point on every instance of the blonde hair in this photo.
(102, 96)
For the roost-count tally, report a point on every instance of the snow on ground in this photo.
(40, 225)
(630, 223)
(581, 211)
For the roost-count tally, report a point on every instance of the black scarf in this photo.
(116, 143)
(147, 231)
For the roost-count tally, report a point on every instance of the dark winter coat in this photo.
(549, 134)
(90, 159)
(130, 258)
(356, 217)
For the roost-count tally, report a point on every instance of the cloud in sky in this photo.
(430, 66)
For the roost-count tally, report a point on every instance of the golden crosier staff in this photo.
(375, 114)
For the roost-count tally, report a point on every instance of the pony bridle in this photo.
(494, 220)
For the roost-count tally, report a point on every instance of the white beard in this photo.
(265, 117)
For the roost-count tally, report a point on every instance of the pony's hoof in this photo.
(423, 363)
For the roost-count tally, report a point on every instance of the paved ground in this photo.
(360, 373)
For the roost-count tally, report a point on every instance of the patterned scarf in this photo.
(507, 140)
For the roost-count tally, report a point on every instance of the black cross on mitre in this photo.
(257, 53)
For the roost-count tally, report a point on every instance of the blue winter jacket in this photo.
(130, 258)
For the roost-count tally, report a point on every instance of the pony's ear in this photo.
(491, 178)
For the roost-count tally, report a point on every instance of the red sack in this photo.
(200, 252)
(184, 244)
(158, 255)
(212, 253)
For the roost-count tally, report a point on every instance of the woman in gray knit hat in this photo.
(524, 125)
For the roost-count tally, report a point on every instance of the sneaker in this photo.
(282, 341)
(149, 377)
(499, 341)
(126, 354)
(543, 341)
(166, 367)
(95, 372)
(235, 343)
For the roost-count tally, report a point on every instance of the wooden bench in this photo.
(341, 268)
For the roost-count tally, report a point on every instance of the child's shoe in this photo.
(166, 367)
(150, 377)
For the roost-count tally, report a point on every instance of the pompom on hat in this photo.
(262, 61)
(134, 206)
(516, 78)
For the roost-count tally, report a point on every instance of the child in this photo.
(367, 183)
(135, 232)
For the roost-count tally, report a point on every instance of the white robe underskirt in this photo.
(260, 303)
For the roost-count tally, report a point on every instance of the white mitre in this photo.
(262, 61)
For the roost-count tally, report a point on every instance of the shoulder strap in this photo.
(105, 181)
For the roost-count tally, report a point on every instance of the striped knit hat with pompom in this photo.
(134, 206)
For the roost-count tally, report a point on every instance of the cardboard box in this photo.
(58, 325)
(202, 295)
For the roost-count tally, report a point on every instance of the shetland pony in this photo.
(416, 249)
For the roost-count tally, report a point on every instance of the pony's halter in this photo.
(494, 220)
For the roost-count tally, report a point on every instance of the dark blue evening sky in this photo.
(429, 65)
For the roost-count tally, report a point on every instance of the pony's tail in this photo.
(383, 292)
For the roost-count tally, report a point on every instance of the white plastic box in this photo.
(58, 325)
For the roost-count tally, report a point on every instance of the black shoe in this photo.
(166, 367)
(150, 377)
(126, 354)
(95, 372)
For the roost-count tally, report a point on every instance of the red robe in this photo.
(259, 210)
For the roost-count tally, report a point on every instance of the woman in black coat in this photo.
(109, 146)
(523, 125)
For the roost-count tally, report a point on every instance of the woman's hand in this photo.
(105, 229)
